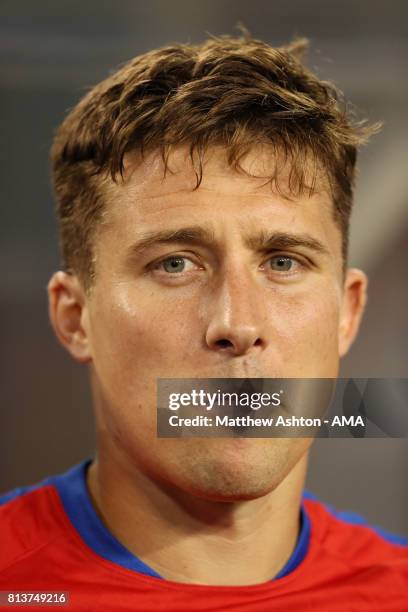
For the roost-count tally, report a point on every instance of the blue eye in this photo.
(174, 264)
(280, 263)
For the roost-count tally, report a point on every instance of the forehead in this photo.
(151, 198)
(149, 174)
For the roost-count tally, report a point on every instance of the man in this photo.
(203, 195)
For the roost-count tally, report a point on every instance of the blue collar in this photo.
(77, 503)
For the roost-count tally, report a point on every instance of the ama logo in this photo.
(350, 421)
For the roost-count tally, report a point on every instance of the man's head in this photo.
(204, 195)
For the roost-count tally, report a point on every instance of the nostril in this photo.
(258, 342)
(224, 343)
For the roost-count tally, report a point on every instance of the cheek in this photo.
(136, 339)
(138, 335)
(307, 331)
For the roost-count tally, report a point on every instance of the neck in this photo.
(193, 540)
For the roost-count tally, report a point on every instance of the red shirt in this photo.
(52, 540)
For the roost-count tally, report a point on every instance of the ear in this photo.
(68, 314)
(352, 308)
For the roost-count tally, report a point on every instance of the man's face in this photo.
(228, 280)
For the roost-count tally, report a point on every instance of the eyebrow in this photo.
(191, 235)
(261, 241)
(265, 241)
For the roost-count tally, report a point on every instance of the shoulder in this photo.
(27, 521)
(351, 539)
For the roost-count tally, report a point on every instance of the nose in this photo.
(236, 317)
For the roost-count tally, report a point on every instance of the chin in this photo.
(236, 477)
(233, 492)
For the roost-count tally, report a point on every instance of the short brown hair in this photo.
(234, 92)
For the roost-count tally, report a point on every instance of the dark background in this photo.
(51, 52)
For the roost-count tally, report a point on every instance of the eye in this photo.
(282, 263)
(175, 264)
